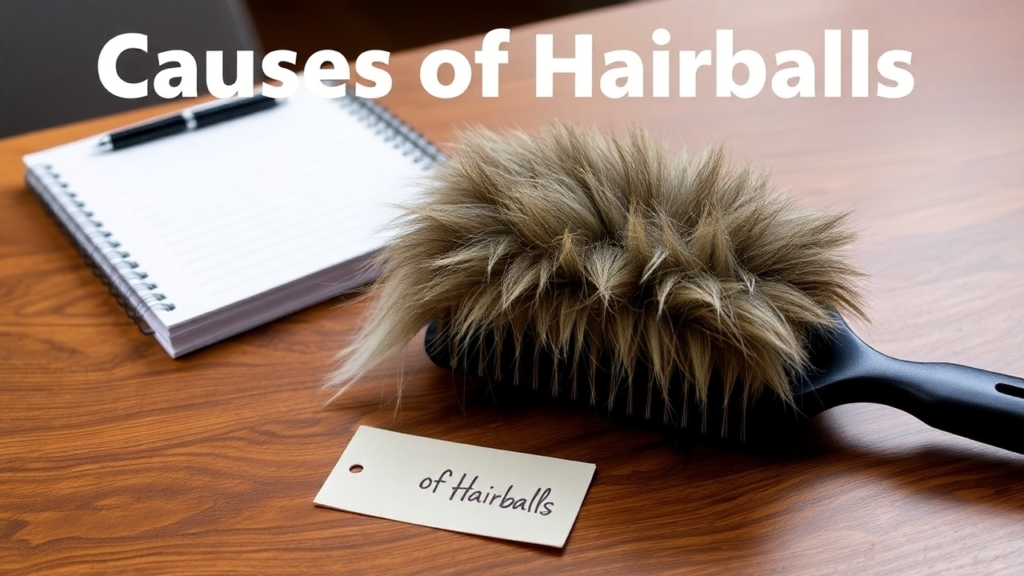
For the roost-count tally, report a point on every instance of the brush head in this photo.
(590, 250)
(767, 423)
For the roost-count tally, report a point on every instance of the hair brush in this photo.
(667, 287)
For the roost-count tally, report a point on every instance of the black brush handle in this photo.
(969, 402)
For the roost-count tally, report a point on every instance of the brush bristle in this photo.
(585, 244)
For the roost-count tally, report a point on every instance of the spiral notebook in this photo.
(209, 233)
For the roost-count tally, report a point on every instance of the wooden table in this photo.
(115, 458)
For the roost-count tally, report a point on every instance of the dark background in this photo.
(352, 27)
(49, 48)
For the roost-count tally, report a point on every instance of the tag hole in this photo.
(355, 468)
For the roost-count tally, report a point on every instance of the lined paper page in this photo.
(230, 211)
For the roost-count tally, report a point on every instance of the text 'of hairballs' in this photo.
(467, 490)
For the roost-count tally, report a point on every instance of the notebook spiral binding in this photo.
(392, 129)
(109, 261)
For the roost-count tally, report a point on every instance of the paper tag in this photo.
(458, 487)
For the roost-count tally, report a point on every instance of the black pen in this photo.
(184, 121)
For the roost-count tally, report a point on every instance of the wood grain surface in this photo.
(116, 459)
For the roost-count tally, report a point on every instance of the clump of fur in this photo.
(586, 242)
